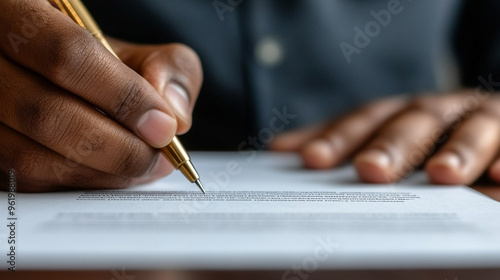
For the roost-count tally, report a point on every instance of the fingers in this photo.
(70, 126)
(294, 140)
(53, 77)
(39, 169)
(404, 135)
(347, 135)
(71, 58)
(468, 152)
(396, 150)
(405, 141)
(174, 70)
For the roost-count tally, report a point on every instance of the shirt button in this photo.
(269, 52)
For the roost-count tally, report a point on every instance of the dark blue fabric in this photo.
(314, 81)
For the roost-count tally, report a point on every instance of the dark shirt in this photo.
(284, 64)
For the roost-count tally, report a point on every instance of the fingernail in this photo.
(374, 166)
(319, 154)
(449, 159)
(179, 99)
(157, 128)
(377, 157)
(445, 168)
(453, 160)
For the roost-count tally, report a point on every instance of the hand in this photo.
(389, 138)
(54, 76)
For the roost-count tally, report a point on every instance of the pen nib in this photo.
(198, 183)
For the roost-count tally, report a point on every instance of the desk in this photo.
(491, 191)
(483, 274)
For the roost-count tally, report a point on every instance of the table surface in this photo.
(491, 191)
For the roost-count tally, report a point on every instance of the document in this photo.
(261, 211)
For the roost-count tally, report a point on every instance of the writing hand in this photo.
(53, 76)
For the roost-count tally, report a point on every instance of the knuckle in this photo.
(489, 110)
(134, 159)
(185, 59)
(130, 101)
(430, 106)
(45, 119)
(423, 103)
(371, 112)
(68, 57)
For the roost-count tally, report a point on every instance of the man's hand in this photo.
(72, 115)
(389, 138)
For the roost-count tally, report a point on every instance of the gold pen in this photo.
(174, 152)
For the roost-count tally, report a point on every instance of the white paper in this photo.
(261, 211)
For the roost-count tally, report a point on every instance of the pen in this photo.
(174, 151)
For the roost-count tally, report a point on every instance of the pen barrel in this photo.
(79, 14)
(175, 153)
(179, 158)
(188, 170)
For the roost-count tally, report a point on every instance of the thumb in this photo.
(174, 70)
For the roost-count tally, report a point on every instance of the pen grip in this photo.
(75, 9)
(175, 153)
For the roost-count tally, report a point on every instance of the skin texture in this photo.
(73, 116)
(455, 136)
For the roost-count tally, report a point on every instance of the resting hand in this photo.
(389, 138)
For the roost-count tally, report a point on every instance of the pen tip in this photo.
(198, 183)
